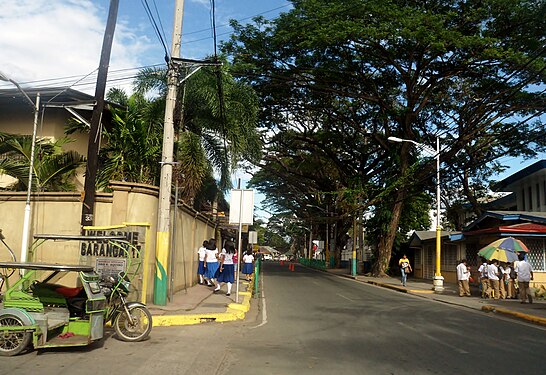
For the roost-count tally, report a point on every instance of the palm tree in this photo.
(215, 129)
(54, 169)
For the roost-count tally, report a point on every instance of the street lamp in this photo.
(26, 221)
(438, 278)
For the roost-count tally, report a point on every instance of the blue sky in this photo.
(58, 42)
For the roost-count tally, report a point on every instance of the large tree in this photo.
(469, 72)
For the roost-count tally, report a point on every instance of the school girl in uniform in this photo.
(226, 274)
(248, 264)
(211, 262)
(201, 265)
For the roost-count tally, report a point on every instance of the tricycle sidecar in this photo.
(37, 307)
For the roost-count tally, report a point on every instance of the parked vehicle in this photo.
(38, 308)
(267, 257)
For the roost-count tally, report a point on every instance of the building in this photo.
(525, 219)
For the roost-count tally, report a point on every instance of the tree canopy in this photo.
(336, 78)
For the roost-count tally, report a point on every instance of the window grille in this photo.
(536, 256)
(449, 256)
(472, 255)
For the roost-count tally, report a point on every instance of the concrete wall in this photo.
(130, 204)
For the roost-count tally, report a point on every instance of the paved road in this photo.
(321, 324)
(316, 323)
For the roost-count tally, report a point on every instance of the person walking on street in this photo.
(248, 264)
(525, 275)
(211, 262)
(201, 265)
(405, 268)
(493, 276)
(226, 274)
(463, 274)
(484, 281)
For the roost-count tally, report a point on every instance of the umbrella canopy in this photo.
(503, 250)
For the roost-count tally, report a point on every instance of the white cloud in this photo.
(45, 39)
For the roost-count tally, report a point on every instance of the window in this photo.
(537, 254)
(538, 195)
(530, 196)
(523, 199)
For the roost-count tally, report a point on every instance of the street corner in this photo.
(515, 314)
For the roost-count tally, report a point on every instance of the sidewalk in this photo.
(199, 304)
(535, 312)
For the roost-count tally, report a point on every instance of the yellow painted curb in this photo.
(234, 311)
(531, 318)
(421, 291)
(240, 306)
(180, 320)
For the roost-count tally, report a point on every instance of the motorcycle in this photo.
(131, 320)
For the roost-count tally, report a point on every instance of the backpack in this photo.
(513, 274)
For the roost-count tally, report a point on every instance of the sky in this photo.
(58, 42)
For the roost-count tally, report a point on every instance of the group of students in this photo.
(216, 269)
(499, 281)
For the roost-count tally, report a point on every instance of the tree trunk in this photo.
(384, 247)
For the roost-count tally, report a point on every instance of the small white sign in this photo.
(110, 266)
(252, 237)
(241, 206)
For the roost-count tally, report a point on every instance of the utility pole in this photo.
(164, 204)
(88, 207)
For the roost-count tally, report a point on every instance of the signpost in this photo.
(241, 212)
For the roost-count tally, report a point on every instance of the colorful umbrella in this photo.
(503, 250)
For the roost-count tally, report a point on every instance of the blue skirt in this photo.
(211, 270)
(226, 276)
(248, 268)
(201, 268)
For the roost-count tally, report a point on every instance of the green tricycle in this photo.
(39, 307)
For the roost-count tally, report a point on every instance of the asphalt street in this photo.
(310, 322)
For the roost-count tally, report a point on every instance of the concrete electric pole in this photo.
(164, 205)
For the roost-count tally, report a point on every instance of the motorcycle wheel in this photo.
(141, 327)
(12, 342)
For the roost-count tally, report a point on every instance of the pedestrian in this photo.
(509, 276)
(211, 262)
(248, 264)
(502, 280)
(201, 264)
(235, 264)
(463, 275)
(405, 268)
(226, 274)
(525, 275)
(484, 281)
(493, 276)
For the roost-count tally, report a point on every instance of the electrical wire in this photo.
(155, 27)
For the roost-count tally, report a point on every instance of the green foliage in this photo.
(53, 170)
(336, 78)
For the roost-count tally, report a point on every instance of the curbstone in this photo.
(234, 311)
(515, 314)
